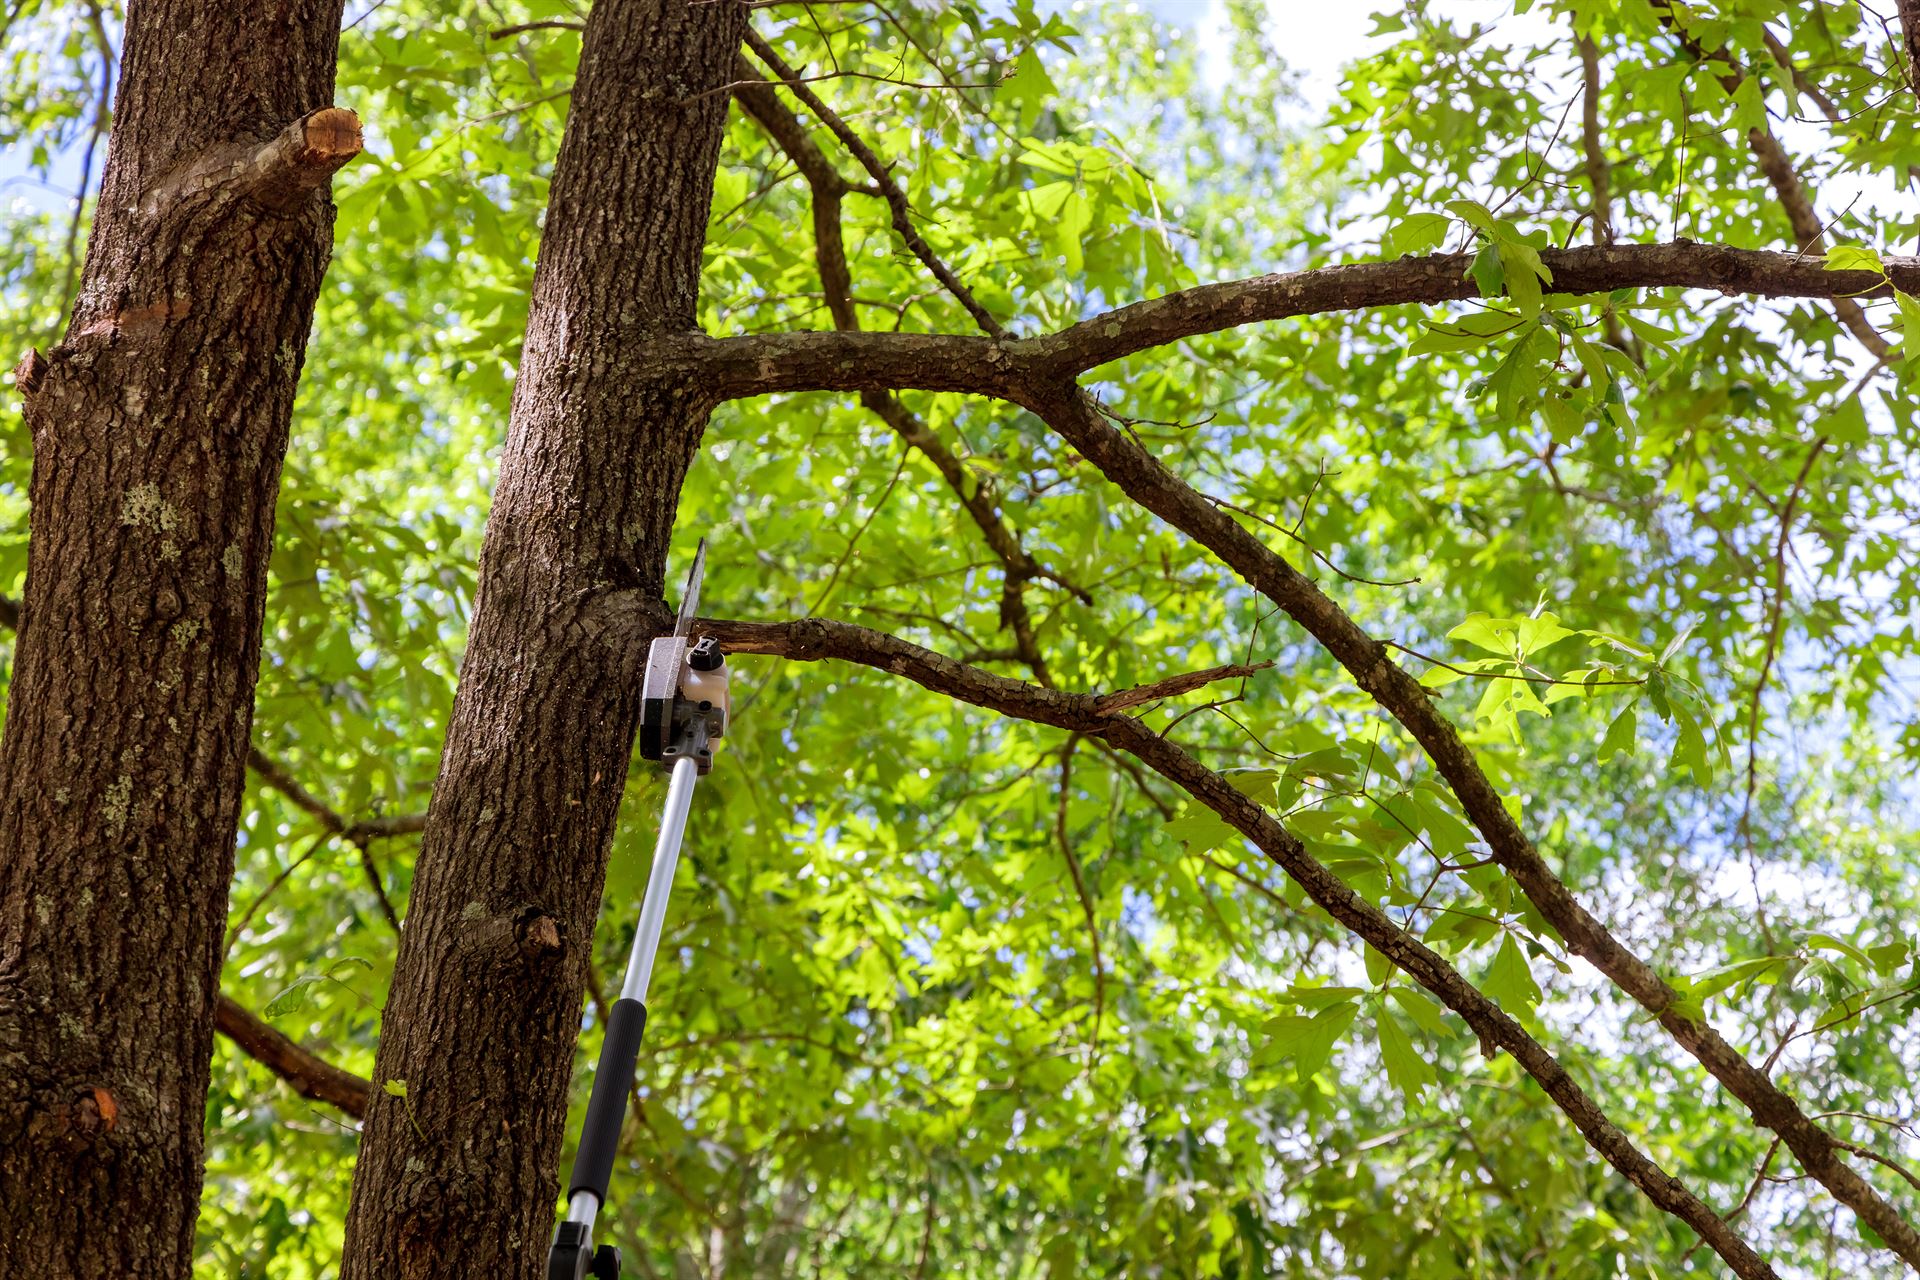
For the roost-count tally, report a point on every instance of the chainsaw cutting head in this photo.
(685, 697)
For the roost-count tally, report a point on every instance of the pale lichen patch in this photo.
(117, 804)
(187, 630)
(232, 561)
(144, 508)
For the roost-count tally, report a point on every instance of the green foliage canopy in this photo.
(949, 992)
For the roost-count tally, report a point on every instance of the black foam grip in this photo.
(607, 1108)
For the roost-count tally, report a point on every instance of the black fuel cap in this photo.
(706, 655)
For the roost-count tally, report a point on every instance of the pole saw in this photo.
(683, 710)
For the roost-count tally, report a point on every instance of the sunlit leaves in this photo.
(1509, 980)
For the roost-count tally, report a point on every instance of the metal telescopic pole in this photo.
(613, 1079)
(666, 857)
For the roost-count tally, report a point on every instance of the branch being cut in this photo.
(1065, 407)
(814, 639)
(310, 1075)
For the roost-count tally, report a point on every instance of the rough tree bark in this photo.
(159, 425)
(460, 1178)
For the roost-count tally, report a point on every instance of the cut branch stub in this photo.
(278, 175)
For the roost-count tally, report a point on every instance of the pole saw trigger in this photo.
(684, 697)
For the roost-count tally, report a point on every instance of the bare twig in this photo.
(1174, 686)
(546, 24)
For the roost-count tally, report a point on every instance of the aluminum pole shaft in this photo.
(666, 858)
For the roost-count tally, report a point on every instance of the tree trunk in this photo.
(459, 1177)
(159, 426)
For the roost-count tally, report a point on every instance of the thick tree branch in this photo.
(815, 639)
(1142, 478)
(1442, 278)
(821, 361)
(310, 1075)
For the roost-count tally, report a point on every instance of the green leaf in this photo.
(1827, 942)
(295, 998)
(1425, 1013)
(1855, 257)
(1201, 830)
(1690, 747)
(1622, 735)
(1495, 635)
(1486, 271)
(1649, 332)
(1704, 986)
(1909, 327)
(1673, 645)
(1378, 967)
(1889, 956)
(1416, 233)
(1473, 213)
(397, 1088)
(1407, 1071)
(1258, 785)
(1510, 982)
(1316, 1047)
(1521, 270)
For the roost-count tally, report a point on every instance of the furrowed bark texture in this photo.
(460, 1179)
(159, 426)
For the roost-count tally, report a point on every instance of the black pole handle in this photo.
(607, 1108)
